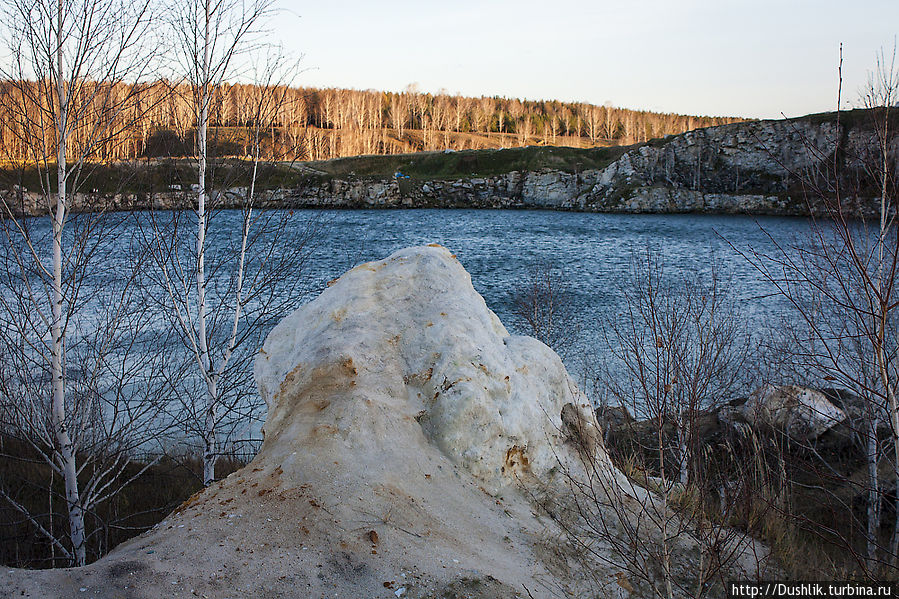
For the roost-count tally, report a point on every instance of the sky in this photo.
(754, 59)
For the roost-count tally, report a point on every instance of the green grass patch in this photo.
(470, 163)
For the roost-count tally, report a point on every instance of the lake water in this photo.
(500, 249)
(593, 254)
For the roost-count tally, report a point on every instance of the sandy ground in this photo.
(261, 533)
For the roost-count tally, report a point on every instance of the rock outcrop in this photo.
(756, 167)
(402, 357)
(407, 438)
(800, 412)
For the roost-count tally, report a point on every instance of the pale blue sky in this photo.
(753, 59)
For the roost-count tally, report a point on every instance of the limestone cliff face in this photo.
(750, 168)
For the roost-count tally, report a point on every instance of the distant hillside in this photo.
(757, 167)
(467, 163)
(320, 124)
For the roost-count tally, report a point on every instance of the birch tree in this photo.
(74, 67)
(842, 284)
(221, 293)
(679, 352)
(211, 36)
(881, 98)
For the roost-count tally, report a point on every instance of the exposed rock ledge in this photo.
(407, 437)
(754, 167)
(746, 168)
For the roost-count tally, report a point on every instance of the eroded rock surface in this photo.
(407, 437)
(402, 354)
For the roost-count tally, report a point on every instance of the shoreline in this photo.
(759, 168)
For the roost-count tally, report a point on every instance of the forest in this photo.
(159, 119)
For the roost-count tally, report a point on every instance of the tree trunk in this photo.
(873, 513)
(209, 454)
(65, 448)
(683, 455)
(892, 402)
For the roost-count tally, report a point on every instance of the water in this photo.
(593, 255)
(592, 252)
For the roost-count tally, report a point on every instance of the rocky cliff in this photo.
(761, 167)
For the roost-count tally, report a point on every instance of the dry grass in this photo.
(138, 507)
(781, 494)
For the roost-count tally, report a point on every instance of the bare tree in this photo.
(211, 36)
(75, 67)
(545, 308)
(221, 292)
(399, 112)
(111, 411)
(677, 353)
(842, 283)
(880, 280)
(662, 539)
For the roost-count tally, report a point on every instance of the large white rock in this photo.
(403, 423)
(800, 412)
(403, 353)
(412, 448)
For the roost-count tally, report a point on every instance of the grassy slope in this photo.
(481, 163)
(468, 163)
(860, 117)
(156, 176)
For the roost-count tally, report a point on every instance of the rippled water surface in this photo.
(500, 249)
(593, 251)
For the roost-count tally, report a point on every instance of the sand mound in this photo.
(402, 358)
(407, 433)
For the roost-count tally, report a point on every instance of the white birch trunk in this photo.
(683, 458)
(209, 452)
(873, 513)
(881, 325)
(65, 447)
(892, 403)
(210, 455)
